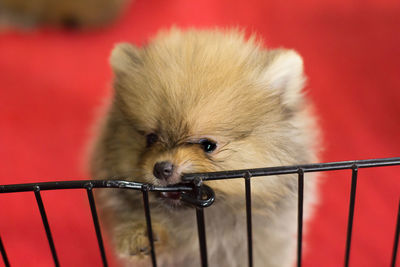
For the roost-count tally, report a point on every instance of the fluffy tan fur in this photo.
(185, 86)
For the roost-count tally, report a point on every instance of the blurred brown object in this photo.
(60, 13)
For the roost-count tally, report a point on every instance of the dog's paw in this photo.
(133, 241)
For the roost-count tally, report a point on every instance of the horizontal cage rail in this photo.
(316, 167)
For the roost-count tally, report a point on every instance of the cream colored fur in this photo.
(189, 85)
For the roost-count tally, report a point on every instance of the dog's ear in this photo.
(125, 58)
(284, 75)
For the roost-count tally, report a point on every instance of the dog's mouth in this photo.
(186, 195)
(174, 197)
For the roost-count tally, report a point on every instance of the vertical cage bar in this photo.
(202, 236)
(201, 229)
(46, 225)
(4, 254)
(396, 239)
(145, 191)
(248, 215)
(351, 213)
(96, 224)
(300, 193)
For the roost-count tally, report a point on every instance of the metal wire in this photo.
(300, 189)
(201, 228)
(96, 224)
(4, 254)
(396, 239)
(145, 191)
(317, 167)
(11, 188)
(248, 216)
(46, 225)
(351, 213)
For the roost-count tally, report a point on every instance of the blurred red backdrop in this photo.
(53, 81)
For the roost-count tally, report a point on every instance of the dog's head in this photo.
(205, 101)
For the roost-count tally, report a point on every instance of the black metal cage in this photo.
(202, 196)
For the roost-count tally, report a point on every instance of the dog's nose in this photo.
(163, 170)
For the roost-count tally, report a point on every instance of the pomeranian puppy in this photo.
(200, 101)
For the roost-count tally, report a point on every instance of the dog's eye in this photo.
(151, 139)
(208, 145)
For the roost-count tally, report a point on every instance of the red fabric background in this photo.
(52, 81)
